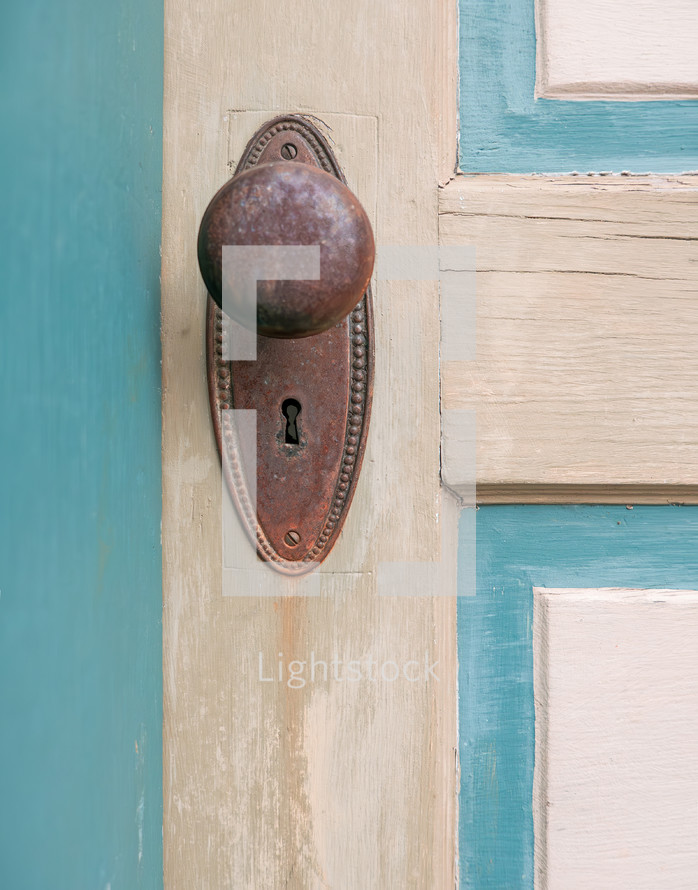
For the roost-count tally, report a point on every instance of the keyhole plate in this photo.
(303, 489)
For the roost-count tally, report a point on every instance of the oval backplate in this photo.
(307, 461)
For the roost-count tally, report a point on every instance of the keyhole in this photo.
(291, 409)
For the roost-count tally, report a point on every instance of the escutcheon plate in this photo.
(303, 487)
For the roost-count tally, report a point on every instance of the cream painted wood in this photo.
(617, 49)
(587, 324)
(337, 784)
(616, 775)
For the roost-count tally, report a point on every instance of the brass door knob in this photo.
(294, 202)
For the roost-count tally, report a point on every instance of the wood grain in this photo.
(334, 784)
(616, 781)
(587, 319)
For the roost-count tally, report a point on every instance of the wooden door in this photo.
(335, 784)
(581, 387)
(577, 653)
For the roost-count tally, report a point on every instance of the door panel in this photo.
(80, 576)
(519, 548)
(617, 50)
(577, 393)
(615, 797)
(587, 318)
(506, 129)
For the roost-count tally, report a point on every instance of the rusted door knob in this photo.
(290, 203)
(309, 396)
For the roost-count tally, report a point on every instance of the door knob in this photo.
(312, 380)
(279, 203)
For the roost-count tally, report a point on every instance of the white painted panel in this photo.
(616, 778)
(617, 49)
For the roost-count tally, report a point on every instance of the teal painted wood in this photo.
(505, 130)
(80, 563)
(519, 547)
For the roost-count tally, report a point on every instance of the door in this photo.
(581, 386)
(335, 783)
(80, 579)
(577, 659)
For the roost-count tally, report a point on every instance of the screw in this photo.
(292, 538)
(288, 151)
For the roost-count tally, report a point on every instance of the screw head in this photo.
(292, 538)
(288, 151)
